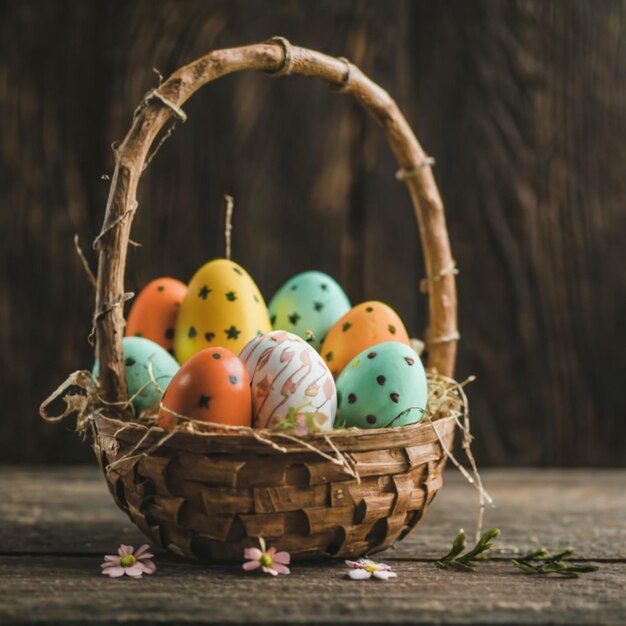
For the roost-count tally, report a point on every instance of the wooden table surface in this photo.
(56, 524)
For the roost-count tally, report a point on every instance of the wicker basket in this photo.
(209, 495)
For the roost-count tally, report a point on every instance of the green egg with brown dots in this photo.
(149, 368)
(308, 305)
(382, 387)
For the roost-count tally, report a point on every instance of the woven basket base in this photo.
(209, 496)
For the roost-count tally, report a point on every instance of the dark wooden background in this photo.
(523, 104)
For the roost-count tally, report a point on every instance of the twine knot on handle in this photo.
(343, 85)
(285, 68)
(83, 404)
(450, 269)
(153, 94)
(406, 173)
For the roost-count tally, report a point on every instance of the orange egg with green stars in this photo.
(154, 312)
(212, 386)
(223, 308)
(365, 325)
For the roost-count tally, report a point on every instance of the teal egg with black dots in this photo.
(308, 305)
(383, 386)
(149, 368)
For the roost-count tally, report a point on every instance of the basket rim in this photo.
(260, 440)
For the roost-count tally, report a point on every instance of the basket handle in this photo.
(275, 57)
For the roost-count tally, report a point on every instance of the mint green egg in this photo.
(140, 356)
(382, 386)
(311, 301)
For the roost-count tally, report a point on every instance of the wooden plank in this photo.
(585, 509)
(60, 510)
(69, 510)
(64, 520)
(76, 592)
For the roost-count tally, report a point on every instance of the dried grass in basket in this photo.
(208, 493)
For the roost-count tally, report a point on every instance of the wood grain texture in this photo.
(76, 593)
(50, 555)
(521, 103)
(536, 88)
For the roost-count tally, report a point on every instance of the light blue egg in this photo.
(141, 355)
(382, 386)
(311, 301)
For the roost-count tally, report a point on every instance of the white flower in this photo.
(364, 568)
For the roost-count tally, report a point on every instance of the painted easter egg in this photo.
(211, 386)
(155, 310)
(385, 385)
(307, 305)
(292, 388)
(363, 326)
(223, 308)
(149, 368)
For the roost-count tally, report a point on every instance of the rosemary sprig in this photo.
(464, 562)
(542, 563)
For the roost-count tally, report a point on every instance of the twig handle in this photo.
(228, 224)
(276, 57)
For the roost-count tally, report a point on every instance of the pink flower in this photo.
(129, 562)
(270, 561)
(301, 427)
(364, 569)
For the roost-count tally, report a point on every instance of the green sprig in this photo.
(542, 563)
(465, 562)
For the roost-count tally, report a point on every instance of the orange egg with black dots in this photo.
(212, 386)
(367, 324)
(154, 312)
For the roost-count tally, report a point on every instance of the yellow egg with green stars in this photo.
(223, 307)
